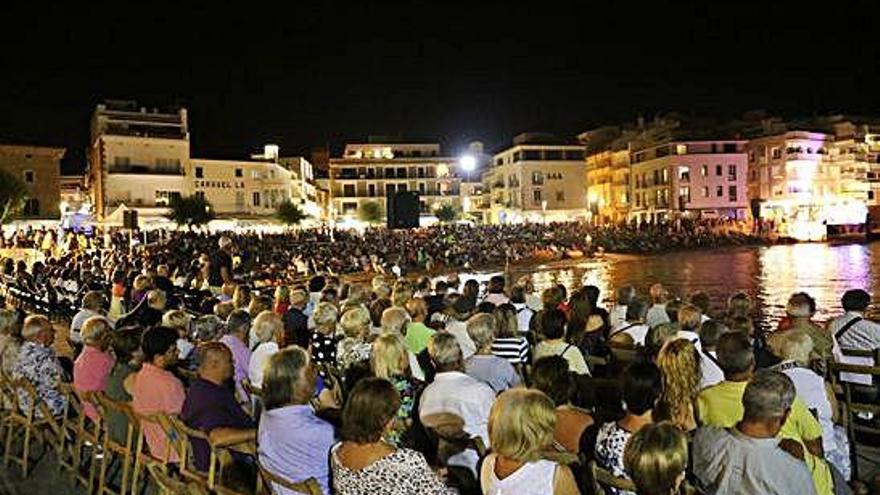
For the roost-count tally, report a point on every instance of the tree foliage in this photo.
(371, 212)
(290, 213)
(190, 210)
(447, 213)
(13, 194)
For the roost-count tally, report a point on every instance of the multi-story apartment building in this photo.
(137, 157)
(302, 184)
(694, 178)
(538, 178)
(608, 185)
(241, 187)
(39, 168)
(369, 172)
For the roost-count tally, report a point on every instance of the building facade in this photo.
(537, 179)
(39, 169)
(608, 185)
(137, 157)
(369, 172)
(237, 187)
(697, 179)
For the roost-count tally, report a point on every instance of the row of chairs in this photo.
(96, 459)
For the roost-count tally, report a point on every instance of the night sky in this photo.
(315, 73)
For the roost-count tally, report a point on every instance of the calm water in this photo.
(768, 274)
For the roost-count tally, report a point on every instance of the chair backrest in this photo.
(623, 354)
(108, 407)
(604, 480)
(447, 432)
(857, 399)
(266, 480)
(169, 485)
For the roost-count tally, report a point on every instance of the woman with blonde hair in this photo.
(389, 359)
(656, 458)
(353, 348)
(324, 339)
(679, 363)
(282, 299)
(521, 426)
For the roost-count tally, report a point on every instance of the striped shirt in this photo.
(514, 349)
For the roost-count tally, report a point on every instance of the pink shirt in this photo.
(157, 391)
(90, 373)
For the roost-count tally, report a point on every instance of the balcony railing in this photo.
(144, 170)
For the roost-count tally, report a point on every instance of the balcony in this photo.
(144, 170)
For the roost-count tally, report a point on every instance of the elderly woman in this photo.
(656, 458)
(795, 348)
(180, 320)
(521, 425)
(207, 328)
(354, 348)
(324, 340)
(293, 442)
(93, 366)
(10, 340)
(364, 463)
(494, 371)
(269, 330)
(389, 360)
(394, 321)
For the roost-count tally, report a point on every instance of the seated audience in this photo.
(293, 443)
(126, 344)
(417, 333)
(324, 339)
(454, 392)
(93, 366)
(633, 330)
(710, 372)
(641, 385)
(509, 343)
(155, 389)
(521, 427)
(269, 329)
(38, 364)
(656, 458)
(389, 360)
(363, 463)
(485, 366)
(354, 347)
(747, 457)
(553, 329)
(210, 404)
(551, 376)
(679, 364)
(238, 327)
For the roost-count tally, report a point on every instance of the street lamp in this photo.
(468, 163)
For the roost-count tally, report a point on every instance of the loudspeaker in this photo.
(402, 209)
(130, 219)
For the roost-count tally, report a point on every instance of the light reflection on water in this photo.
(768, 274)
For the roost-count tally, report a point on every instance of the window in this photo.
(776, 153)
(870, 194)
(681, 149)
(123, 161)
(239, 200)
(718, 170)
(31, 207)
(574, 155)
(719, 191)
(348, 190)
(731, 172)
(731, 193)
(705, 192)
(664, 176)
(704, 170)
(349, 207)
(536, 196)
(421, 188)
(531, 155)
(255, 174)
(200, 173)
(537, 178)
(517, 156)
(684, 174)
(29, 176)
(200, 194)
(553, 154)
(499, 161)
(560, 196)
(371, 190)
(256, 199)
(684, 195)
(730, 147)
(401, 172)
(238, 172)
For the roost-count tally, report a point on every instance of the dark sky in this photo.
(311, 73)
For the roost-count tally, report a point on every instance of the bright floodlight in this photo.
(468, 163)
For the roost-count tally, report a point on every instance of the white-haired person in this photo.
(455, 393)
(180, 320)
(521, 426)
(485, 366)
(394, 320)
(324, 338)
(354, 348)
(38, 364)
(94, 363)
(795, 349)
(269, 329)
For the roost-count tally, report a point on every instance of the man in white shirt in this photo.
(749, 458)
(710, 332)
(657, 313)
(854, 331)
(453, 392)
(92, 304)
(633, 328)
(496, 291)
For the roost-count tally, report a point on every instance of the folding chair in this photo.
(23, 419)
(854, 403)
(143, 459)
(122, 452)
(603, 481)
(79, 434)
(267, 483)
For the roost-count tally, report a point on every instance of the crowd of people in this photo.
(396, 385)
